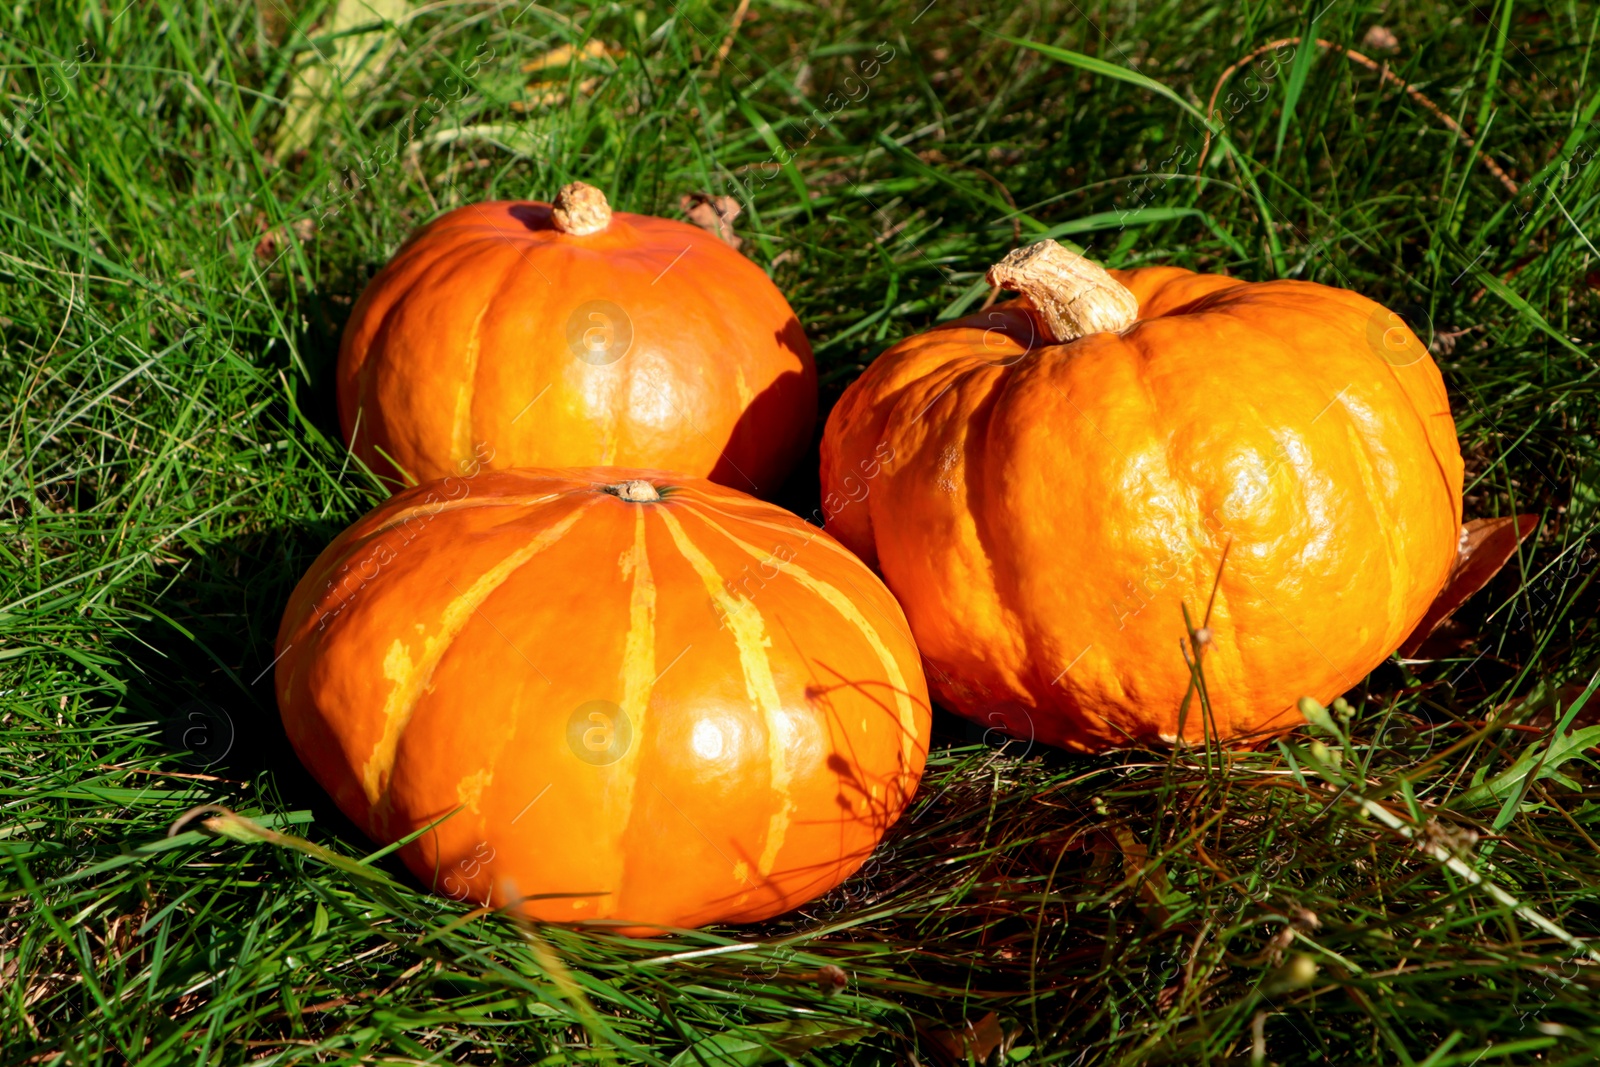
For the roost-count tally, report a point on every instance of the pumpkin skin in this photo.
(648, 343)
(762, 714)
(1050, 508)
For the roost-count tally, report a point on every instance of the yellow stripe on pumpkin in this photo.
(423, 513)
(749, 634)
(411, 677)
(461, 443)
(638, 676)
(843, 605)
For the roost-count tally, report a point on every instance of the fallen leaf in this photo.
(1156, 896)
(1486, 546)
(557, 63)
(272, 238)
(713, 214)
(1380, 39)
(831, 978)
(556, 60)
(973, 1042)
(1561, 697)
(328, 76)
(547, 96)
(1444, 341)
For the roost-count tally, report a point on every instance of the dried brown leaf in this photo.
(544, 91)
(1380, 39)
(556, 61)
(1486, 546)
(713, 214)
(976, 1040)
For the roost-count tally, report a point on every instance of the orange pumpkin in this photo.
(565, 335)
(628, 695)
(1048, 484)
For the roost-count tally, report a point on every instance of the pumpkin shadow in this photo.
(199, 677)
(532, 214)
(790, 398)
(309, 360)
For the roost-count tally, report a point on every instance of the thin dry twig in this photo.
(733, 30)
(158, 772)
(1384, 74)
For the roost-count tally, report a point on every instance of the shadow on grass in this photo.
(201, 671)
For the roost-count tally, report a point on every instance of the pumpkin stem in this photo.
(638, 490)
(1073, 294)
(580, 209)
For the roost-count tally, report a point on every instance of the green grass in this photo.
(171, 464)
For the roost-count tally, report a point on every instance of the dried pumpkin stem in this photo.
(580, 209)
(638, 490)
(1075, 295)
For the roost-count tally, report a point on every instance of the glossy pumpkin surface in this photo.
(670, 711)
(1047, 510)
(648, 343)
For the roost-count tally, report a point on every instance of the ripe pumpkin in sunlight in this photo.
(1066, 471)
(628, 696)
(554, 335)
